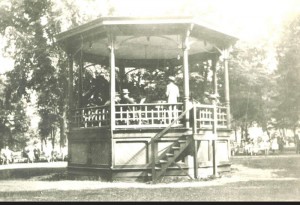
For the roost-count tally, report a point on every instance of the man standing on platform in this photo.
(172, 90)
(172, 93)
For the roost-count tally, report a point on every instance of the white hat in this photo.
(125, 91)
(172, 78)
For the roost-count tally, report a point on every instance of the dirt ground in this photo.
(252, 178)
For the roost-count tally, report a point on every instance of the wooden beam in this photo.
(145, 63)
(186, 80)
(112, 81)
(196, 164)
(214, 141)
(215, 77)
(80, 81)
(226, 82)
(70, 82)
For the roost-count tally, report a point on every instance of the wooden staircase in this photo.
(169, 156)
(160, 164)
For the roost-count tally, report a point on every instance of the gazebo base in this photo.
(143, 175)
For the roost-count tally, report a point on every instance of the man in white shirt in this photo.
(172, 90)
(172, 93)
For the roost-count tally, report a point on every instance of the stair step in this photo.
(169, 155)
(188, 133)
(182, 141)
(163, 161)
(175, 147)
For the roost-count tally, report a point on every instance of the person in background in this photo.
(274, 143)
(129, 114)
(297, 142)
(30, 154)
(172, 91)
(206, 99)
(6, 155)
(280, 143)
(126, 99)
(37, 153)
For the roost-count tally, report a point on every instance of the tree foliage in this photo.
(287, 111)
(30, 26)
(251, 86)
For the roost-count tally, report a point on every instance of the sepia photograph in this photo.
(149, 100)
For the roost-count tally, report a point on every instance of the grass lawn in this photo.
(253, 178)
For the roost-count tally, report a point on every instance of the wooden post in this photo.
(122, 76)
(226, 82)
(70, 100)
(196, 164)
(215, 116)
(70, 84)
(186, 47)
(215, 77)
(153, 159)
(214, 141)
(112, 83)
(80, 82)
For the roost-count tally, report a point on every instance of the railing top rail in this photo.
(135, 104)
(158, 135)
(92, 107)
(151, 104)
(208, 106)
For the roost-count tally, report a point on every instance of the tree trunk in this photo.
(53, 138)
(242, 133)
(62, 126)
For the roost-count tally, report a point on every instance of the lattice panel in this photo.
(130, 153)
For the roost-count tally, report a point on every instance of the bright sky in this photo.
(247, 19)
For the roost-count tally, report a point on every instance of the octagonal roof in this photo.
(143, 38)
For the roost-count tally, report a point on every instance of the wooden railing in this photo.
(204, 116)
(147, 115)
(128, 115)
(91, 117)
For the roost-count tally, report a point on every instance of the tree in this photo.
(30, 26)
(251, 86)
(40, 65)
(287, 113)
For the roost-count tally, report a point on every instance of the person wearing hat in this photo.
(126, 99)
(172, 91)
(172, 94)
(206, 99)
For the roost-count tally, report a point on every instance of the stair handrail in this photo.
(158, 135)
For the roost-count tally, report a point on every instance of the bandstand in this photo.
(143, 140)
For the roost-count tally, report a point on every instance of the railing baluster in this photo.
(99, 116)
